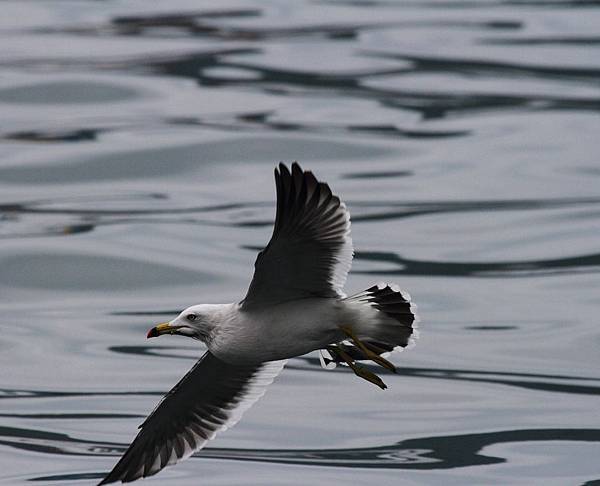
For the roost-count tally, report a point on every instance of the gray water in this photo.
(137, 144)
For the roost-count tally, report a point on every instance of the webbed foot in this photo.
(369, 351)
(359, 371)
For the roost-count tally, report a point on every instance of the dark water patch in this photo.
(165, 162)
(401, 210)
(468, 4)
(62, 216)
(69, 416)
(435, 452)
(75, 229)
(40, 231)
(510, 379)
(46, 442)
(552, 3)
(379, 175)
(491, 328)
(267, 77)
(427, 453)
(191, 65)
(395, 210)
(528, 381)
(202, 24)
(43, 207)
(206, 25)
(400, 132)
(40, 221)
(172, 63)
(69, 477)
(67, 92)
(255, 117)
(544, 41)
(331, 31)
(80, 135)
(160, 351)
(438, 106)
(254, 121)
(21, 394)
(430, 105)
(182, 19)
(482, 68)
(146, 313)
(526, 268)
(201, 67)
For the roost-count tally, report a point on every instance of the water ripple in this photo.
(425, 453)
(525, 268)
(136, 143)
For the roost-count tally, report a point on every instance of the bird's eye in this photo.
(191, 317)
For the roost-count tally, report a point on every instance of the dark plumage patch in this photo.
(310, 251)
(392, 302)
(209, 398)
(398, 331)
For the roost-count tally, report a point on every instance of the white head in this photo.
(197, 321)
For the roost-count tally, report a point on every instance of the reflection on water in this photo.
(466, 269)
(138, 145)
(431, 453)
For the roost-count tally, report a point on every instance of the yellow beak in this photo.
(164, 328)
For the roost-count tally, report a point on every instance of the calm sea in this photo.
(137, 144)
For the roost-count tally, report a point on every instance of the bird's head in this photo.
(196, 322)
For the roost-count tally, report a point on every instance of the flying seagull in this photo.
(295, 305)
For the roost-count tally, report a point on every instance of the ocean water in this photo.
(137, 144)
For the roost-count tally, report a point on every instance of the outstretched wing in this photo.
(310, 252)
(211, 397)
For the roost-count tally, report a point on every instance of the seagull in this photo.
(295, 305)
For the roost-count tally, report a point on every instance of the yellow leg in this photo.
(358, 370)
(368, 352)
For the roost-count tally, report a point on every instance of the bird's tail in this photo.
(393, 328)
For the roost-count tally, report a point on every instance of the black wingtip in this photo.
(285, 172)
(294, 168)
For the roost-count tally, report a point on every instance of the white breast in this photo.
(276, 332)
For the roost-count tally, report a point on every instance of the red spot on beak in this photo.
(152, 333)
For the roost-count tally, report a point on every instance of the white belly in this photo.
(279, 332)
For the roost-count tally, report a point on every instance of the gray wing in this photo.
(211, 397)
(310, 252)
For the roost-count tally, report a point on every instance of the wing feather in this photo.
(310, 251)
(211, 397)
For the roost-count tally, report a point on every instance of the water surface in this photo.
(137, 146)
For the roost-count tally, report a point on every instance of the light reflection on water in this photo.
(138, 143)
